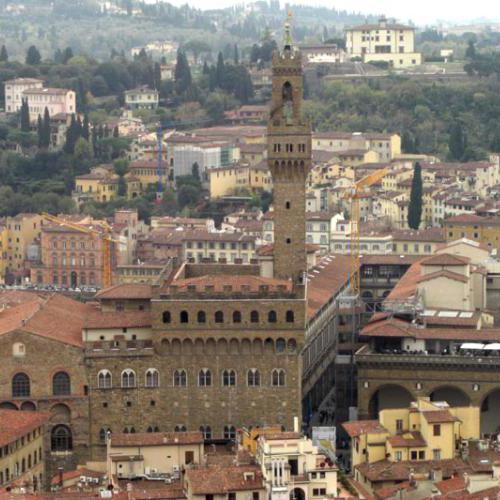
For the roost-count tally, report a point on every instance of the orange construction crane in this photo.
(354, 195)
(104, 235)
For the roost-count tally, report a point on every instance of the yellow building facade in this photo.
(424, 431)
(229, 181)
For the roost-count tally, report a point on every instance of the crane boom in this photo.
(354, 196)
(105, 237)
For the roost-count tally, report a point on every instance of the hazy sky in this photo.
(420, 11)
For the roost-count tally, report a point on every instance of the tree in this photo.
(415, 206)
(220, 72)
(236, 55)
(470, 53)
(195, 171)
(46, 128)
(457, 142)
(66, 55)
(33, 57)
(25, 116)
(121, 168)
(157, 76)
(39, 130)
(86, 128)
(4, 57)
(182, 74)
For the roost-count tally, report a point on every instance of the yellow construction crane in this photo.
(354, 195)
(104, 235)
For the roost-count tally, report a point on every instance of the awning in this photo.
(471, 346)
(492, 347)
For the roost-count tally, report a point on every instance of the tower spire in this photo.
(287, 39)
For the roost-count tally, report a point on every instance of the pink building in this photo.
(54, 99)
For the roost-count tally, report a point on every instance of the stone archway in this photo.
(297, 494)
(452, 395)
(387, 397)
(490, 410)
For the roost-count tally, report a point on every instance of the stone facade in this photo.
(289, 159)
(68, 410)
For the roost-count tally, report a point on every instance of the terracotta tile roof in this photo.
(407, 285)
(472, 218)
(439, 417)
(44, 317)
(268, 250)
(408, 440)
(326, 280)
(222, 480)
(201, 235)
(14, 424)
(389, 259)
(356, 428)
(451, 485)
(126, 291)
(156, 438)
(121, 319)
(71, 474)
(445, 259)
(144, 490)
(434, 234)
(443, 274)
(391, 490)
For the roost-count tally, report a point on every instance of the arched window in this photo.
(180, 428)
(129, 430)
(229, 432)
(103, 434)
(180, 378)
(205, 378)
(128, 378)
(152, 378)
(104, 379)
(61, 439)
(202, 317)
(254, 317)
(61, 384)
(271, 317)
(206, 430)
(280, 345)
(166, 317)
(228, 378)
(236, 317)
(287, 92)
(290, 317)
(20, 385)
(253, 377)
(184, 317)
(278, 377)
(152, 428)
(219, 317)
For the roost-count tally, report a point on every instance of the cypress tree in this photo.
(157, 76)
(4, 57)
(116, 132)
(33, 57)
(86, 128)
(182, 75)
(25, 116)
(39, 131)
(46, 128)
(415, 206)
(220, 71)
(71, 136)
(457, 143)
(236, 55)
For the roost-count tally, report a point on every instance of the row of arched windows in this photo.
(21, 385)
(73, 260)
(201, 317)
(180, 378)
(229, 431)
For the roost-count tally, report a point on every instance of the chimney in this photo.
(60, 470)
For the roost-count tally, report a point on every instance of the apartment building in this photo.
(22, 448)
(218, 247)
(387, 146)
(484, 230)
(54, 99)
(384, 41)
(141, 98)
(240, 179)
(14, 92)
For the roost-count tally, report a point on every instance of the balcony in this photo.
(367, 357)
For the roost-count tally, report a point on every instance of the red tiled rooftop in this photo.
(443, 274)
(126, 291)
(222, 480)
(409, 440)
(439, 417)
(445, 259)
(121, 319)
(451, 485)
(356, 428)
(14, 424)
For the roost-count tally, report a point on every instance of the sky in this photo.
(421, 12)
